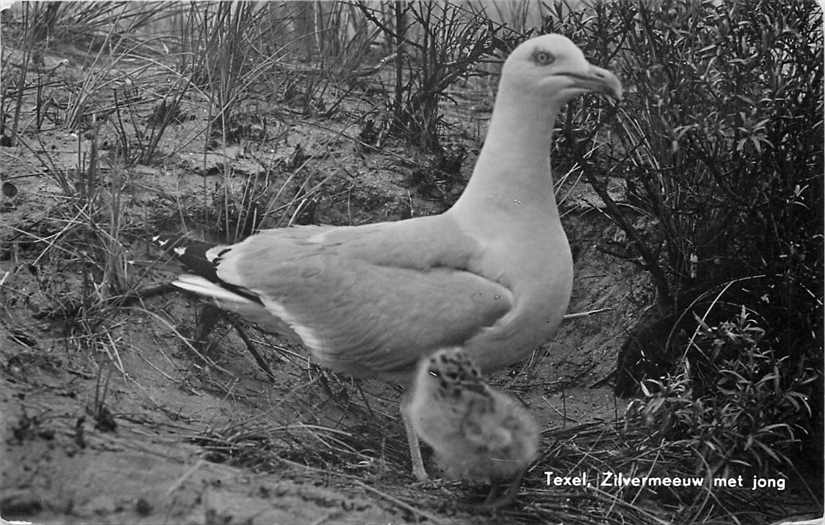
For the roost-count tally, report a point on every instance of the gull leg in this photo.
(412, 439)
(208, 317)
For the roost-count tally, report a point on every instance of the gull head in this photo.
(553, 66)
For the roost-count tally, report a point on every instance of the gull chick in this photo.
(477, 432)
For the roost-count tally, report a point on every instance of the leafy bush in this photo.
(736, 402)
(718, 145)
(719, 148)
(719, 138)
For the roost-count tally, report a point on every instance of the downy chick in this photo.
(477, 432)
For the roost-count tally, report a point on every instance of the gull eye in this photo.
(544, 58)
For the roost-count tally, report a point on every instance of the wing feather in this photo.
(371, 300)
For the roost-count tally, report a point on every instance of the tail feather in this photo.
(201, 286)
(202, 259)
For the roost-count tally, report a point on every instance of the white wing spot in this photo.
(214, 252)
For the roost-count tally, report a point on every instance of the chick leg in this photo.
(491, 496)
(412, 439)
(509, 495)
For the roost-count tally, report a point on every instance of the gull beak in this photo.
(599, 80)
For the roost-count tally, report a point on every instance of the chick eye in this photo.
(543, 58)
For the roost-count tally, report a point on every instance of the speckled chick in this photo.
(477, 432)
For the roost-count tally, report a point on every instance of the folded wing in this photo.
(366, 300)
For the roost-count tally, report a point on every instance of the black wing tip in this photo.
(191, 253)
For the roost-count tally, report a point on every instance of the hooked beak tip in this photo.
(606, 82)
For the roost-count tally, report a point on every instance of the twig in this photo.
(586, 313)
(603, 380)
(557, 411)
(176, 485)
(251, 347)
(141, 294)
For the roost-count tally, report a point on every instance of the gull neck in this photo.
(513, 167)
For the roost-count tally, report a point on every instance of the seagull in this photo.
(477, 432)
(492, 275)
